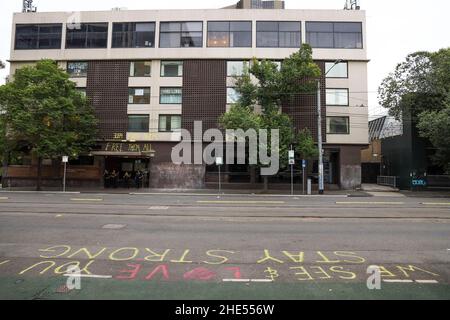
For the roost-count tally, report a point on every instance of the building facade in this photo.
(150, 73)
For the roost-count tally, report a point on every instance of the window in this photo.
(181, 34)
(278, 34)
(237, 34)
(171, 68)
(140, 69)
(339, 70)
(337, 97)
(169, 123)
(338, 125)
(138, 123)
(345, 35)
(139, 95)
(133, 35)
(170, 96)
(89, 35)
(236, 68)
(77, 69)
(232, 96)
(38, 36)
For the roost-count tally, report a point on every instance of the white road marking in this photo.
(247, 280)
(158, 208)
(4, 198)
(426, 281)
(96, 276)
(242, 202)
(436, 203)
(397, 280)
(367, 202)
(80, 199)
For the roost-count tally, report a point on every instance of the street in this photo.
(201, 246)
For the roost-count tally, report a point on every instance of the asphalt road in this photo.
(166, 246)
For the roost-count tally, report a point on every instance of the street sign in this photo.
(65, 159)
(291, 154)
(291, 161)
(219, 161)
(303, 163)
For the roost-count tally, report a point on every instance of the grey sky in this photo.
(394, 28)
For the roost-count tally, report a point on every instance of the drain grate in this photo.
(114, 226)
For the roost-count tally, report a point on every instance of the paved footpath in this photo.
(165, 246)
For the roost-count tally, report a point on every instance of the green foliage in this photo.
(43, 108)
(265, 86)
(435, 126)
(305, 146)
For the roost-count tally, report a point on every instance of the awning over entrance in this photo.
(125, 149)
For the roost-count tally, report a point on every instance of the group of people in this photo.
(114, 179)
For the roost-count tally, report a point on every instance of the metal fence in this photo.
(441, 181)
(390, 181)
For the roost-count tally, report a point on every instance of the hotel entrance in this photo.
(126, 172)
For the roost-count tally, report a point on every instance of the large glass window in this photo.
(140, 69)
(232, 96)
(236, 68)
(38, 36)
(286, 34)
(138, 123)
(88, 35)
(171, 68)
(339, 70)
(133, 35)
(139, 95)
(77, 69)
(181, 34)
(337, 97)
(172, 95)
(338, 125)
(169, 123)
(230, 34)
(345, 35)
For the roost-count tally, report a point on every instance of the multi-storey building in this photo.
(150, 73)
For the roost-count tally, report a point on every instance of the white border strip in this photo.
(397, 281)
(426, 281)
(88, 276)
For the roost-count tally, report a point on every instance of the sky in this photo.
(395, 28)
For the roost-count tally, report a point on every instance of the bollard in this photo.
(309, 187)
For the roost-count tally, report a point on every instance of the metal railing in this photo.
(390, 181)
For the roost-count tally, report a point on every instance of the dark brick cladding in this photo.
(107, 89)
(204, 92)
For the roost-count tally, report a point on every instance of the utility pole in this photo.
(319, 129)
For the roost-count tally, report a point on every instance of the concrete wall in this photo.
(173, 176)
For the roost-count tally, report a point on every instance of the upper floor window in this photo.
(344, 35)
(171, 68)
(229, 34)
(171, 95)
(181, 34)
(140, 69)
(282, 34)
(232, 96)
(236, 68)
(77, 69)
(139, 95)
(38, 36)
(169, 123)
(138, 123)
(133, 35)
(337, 97)
(338, 125)
(339, 70)
(88, 35)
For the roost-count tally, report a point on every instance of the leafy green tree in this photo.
(435, 126)
(305, 146)
(43, 108)
(418, 91)
(266, 86)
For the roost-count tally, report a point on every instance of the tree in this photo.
(435, 126)
(43, 108)
(418, 91)
(305, 146)
(264, 85)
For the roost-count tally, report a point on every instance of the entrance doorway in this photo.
(130, 172)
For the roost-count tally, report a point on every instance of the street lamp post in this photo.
(319, 130)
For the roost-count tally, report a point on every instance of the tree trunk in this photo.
(266, 183)
(39, 174)
(5, 170)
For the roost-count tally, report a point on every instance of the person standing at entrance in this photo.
(114, 178)
(106, 179)
(138, 179)
(126, 179)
